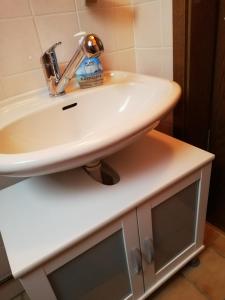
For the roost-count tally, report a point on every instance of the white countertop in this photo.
(42, 216)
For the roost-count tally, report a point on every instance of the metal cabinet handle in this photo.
(136, 261)
(148, 251)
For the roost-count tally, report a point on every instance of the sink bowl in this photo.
(40, 134)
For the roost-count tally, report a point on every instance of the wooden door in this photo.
(199, 67)
(216, 208)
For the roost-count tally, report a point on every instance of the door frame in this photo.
(194, 41)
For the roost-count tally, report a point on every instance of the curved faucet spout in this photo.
(90, 46)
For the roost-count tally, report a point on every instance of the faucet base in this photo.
(102, 172)
(56, 95)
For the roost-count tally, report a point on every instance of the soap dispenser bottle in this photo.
(90, 71)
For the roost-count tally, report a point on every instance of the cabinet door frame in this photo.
(152, 278)
(38, 286)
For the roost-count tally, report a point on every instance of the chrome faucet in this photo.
(90, 46)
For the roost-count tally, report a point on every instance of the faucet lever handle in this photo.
(50, 63)
(52, 48)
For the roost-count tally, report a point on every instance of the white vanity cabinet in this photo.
(132, 256)
(110, 242)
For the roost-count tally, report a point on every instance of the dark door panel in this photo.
(216, 208)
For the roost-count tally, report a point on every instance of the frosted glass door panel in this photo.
(173, 223)
(99, 273)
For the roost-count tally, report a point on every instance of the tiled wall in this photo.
(29, 27)
(136, 36)
(153, 43)
(153, 37)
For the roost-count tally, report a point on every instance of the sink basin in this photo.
(40, 134)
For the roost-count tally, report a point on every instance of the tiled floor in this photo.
(204, 282)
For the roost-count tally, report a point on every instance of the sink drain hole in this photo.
(102, 172)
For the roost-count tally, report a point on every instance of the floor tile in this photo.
(210, 234)
(219, 245)
(209, 276)
(177, 289)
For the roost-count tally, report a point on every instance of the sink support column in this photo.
(102, 172)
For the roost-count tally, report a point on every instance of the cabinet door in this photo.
(105, 266)
(170, 226)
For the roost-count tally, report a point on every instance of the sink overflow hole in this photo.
(69, 106)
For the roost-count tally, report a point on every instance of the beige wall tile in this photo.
(155, 61)
(23, 82)
(14, 8)
(120, 60)
(41, 7)
(147, 25)
(167, 19)
(55, 28)
(124, 27)
(20, 50)
(149, 61)
(110, 61)
(127, 60)
(167, 63)
(101, 22)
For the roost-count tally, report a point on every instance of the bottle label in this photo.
(89, 69)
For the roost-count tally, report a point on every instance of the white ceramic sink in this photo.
(39, 136)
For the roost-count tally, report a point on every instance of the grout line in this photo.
(161, 22)
(134, 36)
(118, 51)
(37, 33)
(31, 7)
(15, 18)
(61, 13)
(154, 48)
(35, 24)
(77, 14)
(36, 15)
(20, 73)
